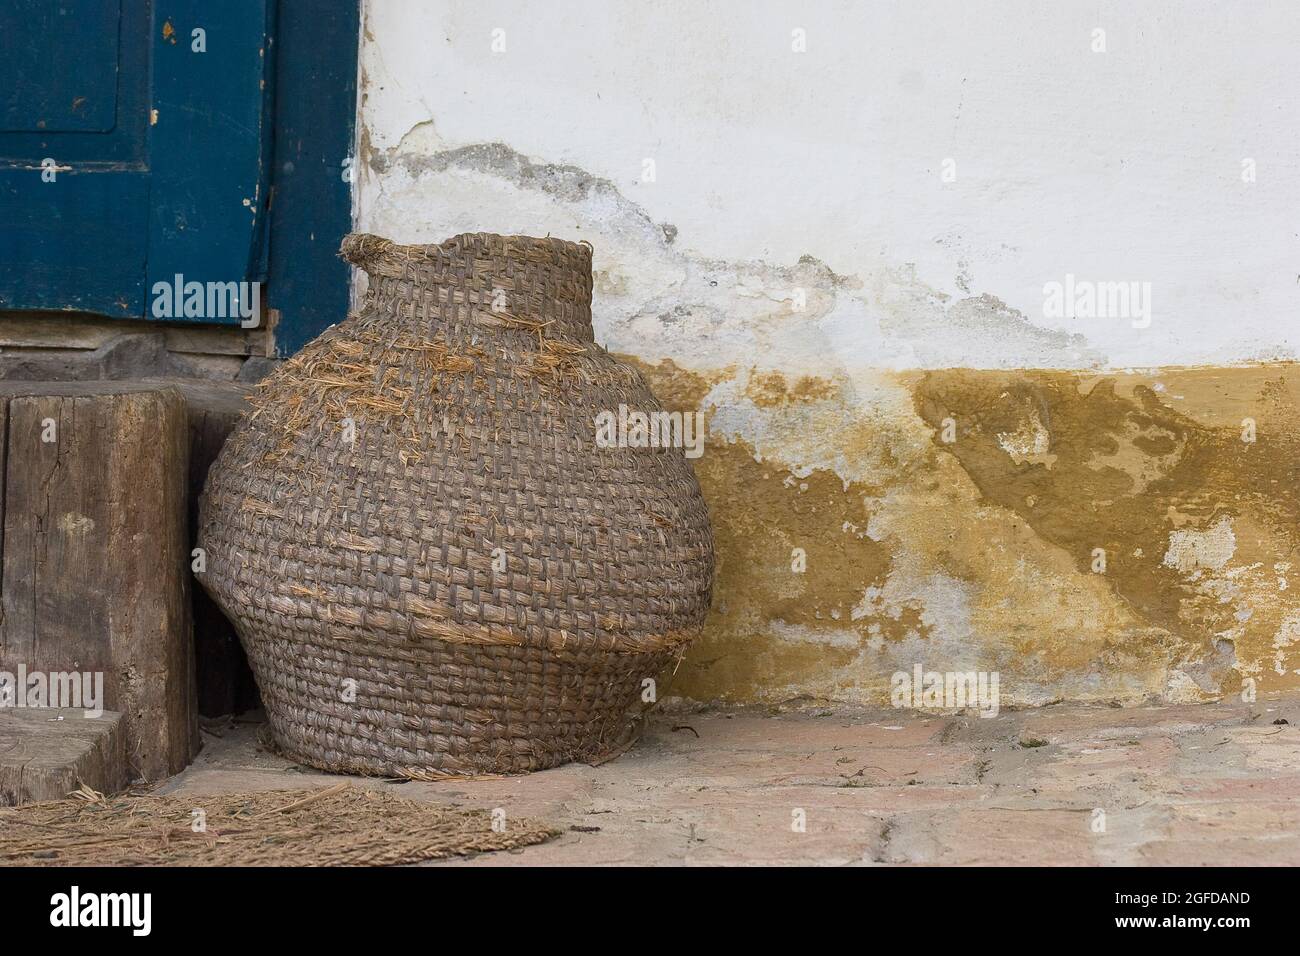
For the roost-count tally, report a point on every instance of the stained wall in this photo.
(846, 233)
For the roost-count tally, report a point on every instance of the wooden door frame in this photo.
(314, 118)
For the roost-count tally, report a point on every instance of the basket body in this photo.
(434, 566)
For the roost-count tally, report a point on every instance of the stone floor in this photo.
(1068, 784)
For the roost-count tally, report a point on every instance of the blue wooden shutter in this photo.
(158, 152)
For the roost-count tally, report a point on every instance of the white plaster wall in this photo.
(1115, 166)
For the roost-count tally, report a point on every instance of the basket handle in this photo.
(362, 248)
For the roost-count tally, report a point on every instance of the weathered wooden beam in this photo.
(46, 330)
(225, 679)
(94, 571)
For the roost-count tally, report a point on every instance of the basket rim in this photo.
(366, 250)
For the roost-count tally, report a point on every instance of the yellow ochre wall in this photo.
(978, 554)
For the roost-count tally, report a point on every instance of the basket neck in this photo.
(480, 283)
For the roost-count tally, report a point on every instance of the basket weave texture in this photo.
(434, 567)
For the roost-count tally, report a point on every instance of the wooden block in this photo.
(94, 566)
(43, 757)
(225, 679)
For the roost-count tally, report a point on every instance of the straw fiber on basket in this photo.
(432, 564)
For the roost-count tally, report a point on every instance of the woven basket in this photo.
(434, 567)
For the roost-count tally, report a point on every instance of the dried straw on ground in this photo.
(336, 826)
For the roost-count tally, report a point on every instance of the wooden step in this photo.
(46, 754)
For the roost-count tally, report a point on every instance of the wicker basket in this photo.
(433, 565)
